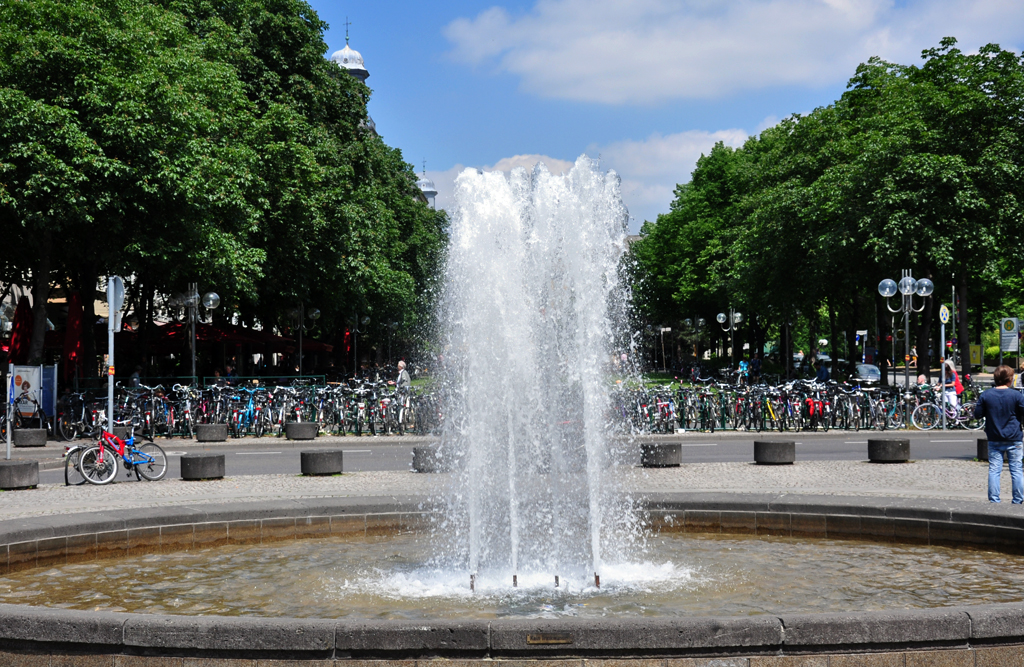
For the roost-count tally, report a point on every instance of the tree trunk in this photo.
(40, 295)
(833, 333)
(924, 340)
(962, 335)
(87, 285)
(924, 329)
(853, 354)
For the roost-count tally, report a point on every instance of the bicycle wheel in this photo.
(72, 470)
(895, 418)
(258, 425)
(98, 465)
(926, 416)
(66, 427)
(154, 466)
(965, 416)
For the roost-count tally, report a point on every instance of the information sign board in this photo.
(1008, 340)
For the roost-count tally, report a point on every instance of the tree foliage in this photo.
(178, 141)
(913, 167)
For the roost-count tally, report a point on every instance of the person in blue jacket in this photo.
(1003, 410)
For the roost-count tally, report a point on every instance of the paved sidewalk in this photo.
(941, 478)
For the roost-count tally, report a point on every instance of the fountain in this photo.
(531, 512)
(531, 286)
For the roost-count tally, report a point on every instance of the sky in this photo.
(646, 86)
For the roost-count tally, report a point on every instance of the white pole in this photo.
(10, 412)
(110, 354)
(193, 313)
(942, 343)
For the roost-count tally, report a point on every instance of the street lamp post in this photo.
(664, 362)
(300, 312)
(355, 340)
(733, 319)
(907, 287)
(391, 330)
(210, 300)
(694, 326)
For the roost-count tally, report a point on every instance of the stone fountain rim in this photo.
(41, 629)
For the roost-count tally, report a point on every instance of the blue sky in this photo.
(648, 85)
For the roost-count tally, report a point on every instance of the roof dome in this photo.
(351, 60)
(427, 186)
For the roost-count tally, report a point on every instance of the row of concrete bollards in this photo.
(316, 462)
(18, 474)
(37, 437)
(773, 452)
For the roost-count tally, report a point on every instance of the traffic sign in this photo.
(944, 314)
(1008, 328)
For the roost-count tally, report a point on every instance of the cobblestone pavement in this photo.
(959, 480)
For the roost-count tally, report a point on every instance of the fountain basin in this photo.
(70, 538)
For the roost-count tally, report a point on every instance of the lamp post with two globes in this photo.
(730, 320)
(907, 287)
(210, 301)
(694, 326)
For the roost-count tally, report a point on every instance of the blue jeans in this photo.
(1014, 451)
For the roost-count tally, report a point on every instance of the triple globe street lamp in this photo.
(730, 322)
(908, 287)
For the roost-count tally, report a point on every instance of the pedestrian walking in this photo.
(1003, 410)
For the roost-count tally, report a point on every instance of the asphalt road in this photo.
(245, 458)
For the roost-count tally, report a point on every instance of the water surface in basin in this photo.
(390, 577)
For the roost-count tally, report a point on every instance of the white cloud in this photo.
(649, 51)
(444, 181)
(650, 169)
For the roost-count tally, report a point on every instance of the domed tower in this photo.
(350, 60)
(427, 186)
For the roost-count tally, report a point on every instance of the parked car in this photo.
(867, 374)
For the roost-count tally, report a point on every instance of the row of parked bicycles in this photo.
(356, 407)
(793, 406)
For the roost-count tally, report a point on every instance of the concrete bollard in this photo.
(322, 462)
(301, 430)
(19, 474)
(195, 467)
(29, 437)
(889, 450)
(661, 454)
(983, 452)
(211, 432)
(426, 459)
(774, 452)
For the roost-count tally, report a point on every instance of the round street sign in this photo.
(944, 314)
